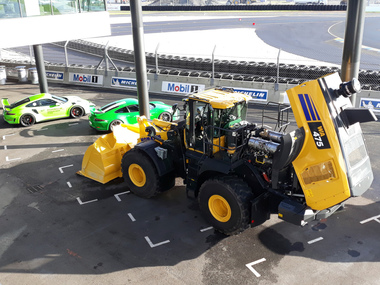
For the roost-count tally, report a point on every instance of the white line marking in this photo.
(131, 217)
(376, 218)
(73, 124)
(157, 244)
(60, 168)
(249, 265)
(58, 150)
(7, 136)
(69, 184)
(5, 147)
(206, 229)
(117, 195)
(82, 203)
(9, 159)
(315, 240)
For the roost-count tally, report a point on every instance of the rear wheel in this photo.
(114, 123)
(76, 112)
(27, 120)
(140, 174)
(225, 204)
(165, 116)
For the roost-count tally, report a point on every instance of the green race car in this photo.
(125, 111)
(43, 107)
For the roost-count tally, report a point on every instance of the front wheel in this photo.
(27, 120)
(140, 174)
(165, 116)
(225, 204)
(76, 112)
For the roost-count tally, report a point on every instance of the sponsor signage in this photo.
(370, 103)
(86, 78)
(125, 82)
(181, 88)
(54, 75)
(255, 94)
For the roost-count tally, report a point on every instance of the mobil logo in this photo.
(177, 87)
(86, 78)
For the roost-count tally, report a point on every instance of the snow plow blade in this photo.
(102, 160)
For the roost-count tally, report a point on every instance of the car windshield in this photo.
(61, 99)
(18, 103)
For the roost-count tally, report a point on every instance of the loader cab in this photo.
(210, 121)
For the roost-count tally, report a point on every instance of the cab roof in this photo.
(219, 98)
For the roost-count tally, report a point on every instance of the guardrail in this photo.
(277, 7)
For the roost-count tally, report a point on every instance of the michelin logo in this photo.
(125, 82)
(373, 104)
(255, 94)
(182, 88)
(86, 78)
(54, 75)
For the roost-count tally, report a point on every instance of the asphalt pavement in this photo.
(61, 228)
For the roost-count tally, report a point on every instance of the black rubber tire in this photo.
(140, 174)
(165, 116)
(27, 120)
(236, 193)
(77, 112)
(114, 123)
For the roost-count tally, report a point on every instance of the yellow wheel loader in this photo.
(241, 172)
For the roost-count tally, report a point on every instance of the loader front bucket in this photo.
(102, 160)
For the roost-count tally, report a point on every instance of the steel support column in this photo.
(353, 41)
(40, 65)
(140, 60)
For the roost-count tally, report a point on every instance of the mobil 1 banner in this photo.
(181, 88)
(125, 82)
(86, 78)
(54, 75)
(255, 94)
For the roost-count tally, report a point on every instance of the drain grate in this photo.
(35, 188)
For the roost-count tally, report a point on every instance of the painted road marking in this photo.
(376, 218)
(7, 136)
(206, 229)
(249, 265)
(117, 195)
(60, 168)
(69, 184)
(157, 244)
(73, 124)
(58, 150)
(315, 240)
(82, 203)
(5, 148)
(11, 159)
(131, 217)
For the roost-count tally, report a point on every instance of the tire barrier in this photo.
(259, 7)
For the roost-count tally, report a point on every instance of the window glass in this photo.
(122, 110)
(92, 5)
(133, 108)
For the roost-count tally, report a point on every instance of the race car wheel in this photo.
(165, 116)
(114, 123)
(27, 120)
(76, 112)
(225, 204)
(140, 174)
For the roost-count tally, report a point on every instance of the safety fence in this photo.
(242, 70)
